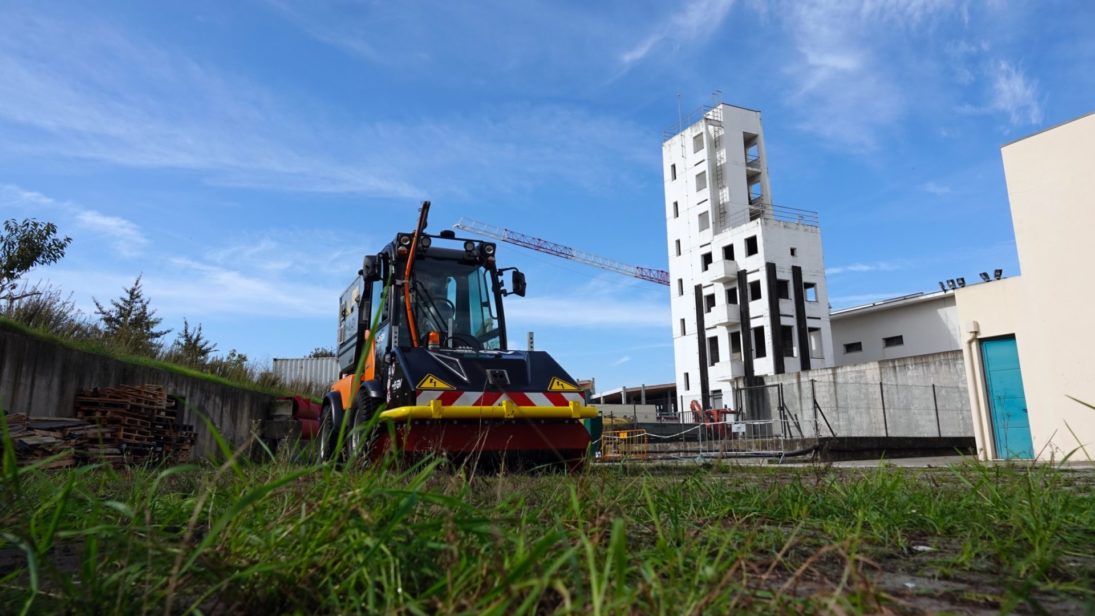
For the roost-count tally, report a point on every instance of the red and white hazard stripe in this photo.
(494, 398)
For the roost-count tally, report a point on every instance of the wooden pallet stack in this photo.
(67, 441)
(135, 424)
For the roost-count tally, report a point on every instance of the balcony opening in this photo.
(787, 333)
(752, 147)
(728, 252)
(706, 260)
(735, 345)
(754, 290)
(751, 247)
(712, 350)
(732, 295)
(760, 349)
(709, 302)
(784, 288)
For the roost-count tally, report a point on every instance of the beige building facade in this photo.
(1029, 341)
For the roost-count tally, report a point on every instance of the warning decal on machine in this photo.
(558, 384)
(432, 382)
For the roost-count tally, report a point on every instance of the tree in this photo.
(191, 347)
(322, 352)
(24, 245)
(129, 323)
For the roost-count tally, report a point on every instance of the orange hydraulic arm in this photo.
(422, 215)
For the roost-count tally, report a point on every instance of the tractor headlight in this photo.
(488, 249)
(424, 241)
(469, 246)
(404, 240)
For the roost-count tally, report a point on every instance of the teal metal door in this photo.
(1007, 401)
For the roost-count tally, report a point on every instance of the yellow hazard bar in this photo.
(507, 410)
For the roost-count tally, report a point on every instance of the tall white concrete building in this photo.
(747, 277)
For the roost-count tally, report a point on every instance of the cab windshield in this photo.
(456, 300)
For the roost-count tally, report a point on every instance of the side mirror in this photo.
(518, 283)
(370, 269)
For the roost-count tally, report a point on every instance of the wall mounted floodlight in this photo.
(942, 287)
(998, 274)
(985, 277)
(961, 282)
(950, 284)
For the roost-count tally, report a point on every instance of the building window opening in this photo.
(784, 289)
(751, 246)
(893, 341)
(676, 210)
(706, 260)
(683, 331)
(853, 347)
(794, 251)
(760, 349)
(754, 290)
(735, 345)
(680, 286)
(672, 172)
(713, 350)
(697, 142)
(787, 333)
(701, 181)
(752, 147)
(705, 221)
(732, 295)
(678, 243)
(687, 385)
(709, 302)
(814, 333)
(809, 289)
(728, 252)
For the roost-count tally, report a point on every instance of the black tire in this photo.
(361, 435)
(329, 420)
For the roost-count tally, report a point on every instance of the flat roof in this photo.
(1049, 128)
(894, 302)
(659, 388)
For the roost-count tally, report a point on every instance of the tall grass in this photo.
(428, 538)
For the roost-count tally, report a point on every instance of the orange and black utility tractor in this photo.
(426, 367)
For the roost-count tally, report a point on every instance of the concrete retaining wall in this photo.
(917, 396)
(39, 377)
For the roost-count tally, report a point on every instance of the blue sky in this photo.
(243, 156)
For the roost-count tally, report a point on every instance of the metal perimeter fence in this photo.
(811, 409)
(788, 418)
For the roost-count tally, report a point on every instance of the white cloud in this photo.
(579, 311)
(693, 23)
(936, 188)
(1015, 95)
(125, 235)
(621, 361)
(849, 83)
(859, 268)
